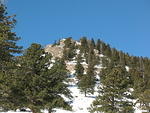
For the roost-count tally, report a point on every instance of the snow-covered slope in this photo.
(80, 103)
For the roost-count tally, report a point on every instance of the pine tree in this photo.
(30, 75)
(8, 48)
(8, 38)
(93, 43)
(56, 87)
(114, 92)
(141, 85)
(91, 57)
(42, 86)
(79, 69)
(87, 83)
(107, 51)
(98, 45)
(84, 48)
(69, 49)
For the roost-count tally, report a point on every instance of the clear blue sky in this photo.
(124, 24)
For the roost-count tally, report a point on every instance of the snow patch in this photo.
(127, 68)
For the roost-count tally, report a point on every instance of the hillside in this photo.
(99, 60)
(103, 53)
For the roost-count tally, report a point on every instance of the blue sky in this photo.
(124, 24)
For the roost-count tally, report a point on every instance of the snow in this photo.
(78, 43)
(78, 51)
(63, 39)
(72, 62)
(80, 102)
(101, 55)
(97, 77)
(50, 66)
(52, 60)
(72, 72)
(84, 63)
(127, 68)
(98, 66)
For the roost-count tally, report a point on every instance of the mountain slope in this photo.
(101, 55)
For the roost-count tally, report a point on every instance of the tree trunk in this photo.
(35, 111)
(85, 93)
(49, 110)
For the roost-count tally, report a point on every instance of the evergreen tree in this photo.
(122, 58)
(93, 43)
(42, 86)
(56, 87)
(115, 58)
(8, 38)
(84, 48)
(114, 92)
(91, 57)
(8, 48)
(98, 45)
(141, 86)
(87, 83)
(105, 61)
(107, 51)
(69, 49)
(79, 69)
(31, 76)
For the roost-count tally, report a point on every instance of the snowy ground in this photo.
(80, 102)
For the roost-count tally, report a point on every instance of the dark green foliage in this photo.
(41, 86)
(115, 59)
(69, 49)
(93, 43)
(107, 50)
(56, 87)
(87, 82)
(113, 96)
(8, 48)
(31, 75)
(141, 84)
(8, 38)
(105, 61)
(79, 68)
(91, 57)
(84, 48)
(122, 61)
(99, 46)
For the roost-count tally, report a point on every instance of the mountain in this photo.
(101, 55)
